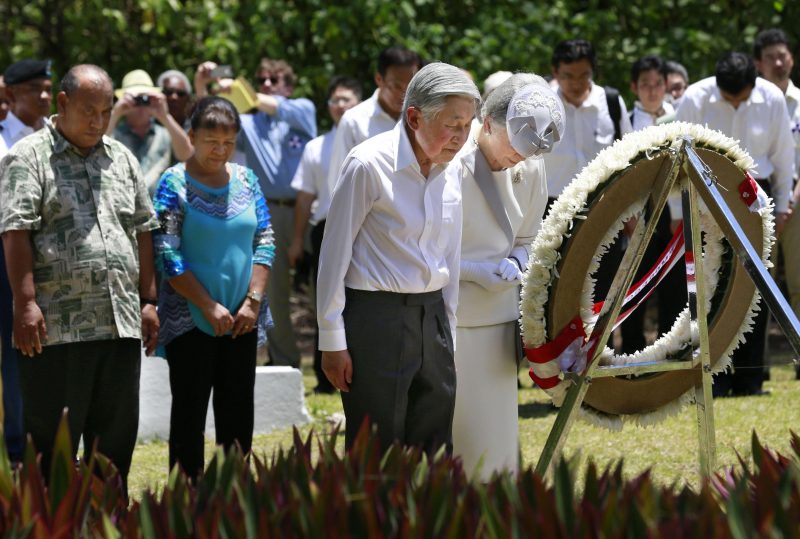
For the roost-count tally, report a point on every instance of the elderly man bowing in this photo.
(388, 277)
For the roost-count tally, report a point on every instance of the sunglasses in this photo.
(174, 91)
(273, 79)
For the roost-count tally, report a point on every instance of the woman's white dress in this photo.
(485, 426)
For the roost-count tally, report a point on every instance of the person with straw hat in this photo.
(149, 130)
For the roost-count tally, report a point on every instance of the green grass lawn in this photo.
(668, 449)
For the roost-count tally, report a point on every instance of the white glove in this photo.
(486, 275)
(509, 271)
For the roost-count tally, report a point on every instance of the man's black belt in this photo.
(281, 202)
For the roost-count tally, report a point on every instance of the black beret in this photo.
(26, 70)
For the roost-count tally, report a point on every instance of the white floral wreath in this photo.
(545, 254)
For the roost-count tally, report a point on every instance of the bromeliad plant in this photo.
(310, 490)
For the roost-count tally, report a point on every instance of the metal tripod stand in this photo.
(685, 167)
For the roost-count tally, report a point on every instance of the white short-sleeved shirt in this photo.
(587, 130)
(640, 118)
(390, 229)
(363, 121)
(793, 104)
(11, 131)
(760, 124)
(312, 174)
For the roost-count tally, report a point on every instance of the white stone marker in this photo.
(279, 400)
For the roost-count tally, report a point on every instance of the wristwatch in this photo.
(255, 295)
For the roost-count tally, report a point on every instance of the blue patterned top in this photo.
(218, 234)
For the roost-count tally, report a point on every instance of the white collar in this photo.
(14, 127)
(404, 155)
(793, 92)
(756, 96)
(378, 109)
(594, 99)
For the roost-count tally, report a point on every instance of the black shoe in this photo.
(324, 390)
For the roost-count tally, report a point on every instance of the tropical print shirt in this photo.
(84, 214)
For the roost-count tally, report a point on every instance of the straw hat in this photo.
(137, 82)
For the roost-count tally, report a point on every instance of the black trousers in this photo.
(323, 384)
(670, 294)
(197, 363)
(98, 381)
(404, 377)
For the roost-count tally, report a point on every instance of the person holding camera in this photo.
(141, 103)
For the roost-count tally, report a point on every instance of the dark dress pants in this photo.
(323, 384)
(98, 382)
(670, 294)
(404, 376)
(198, 363)
(12, 395)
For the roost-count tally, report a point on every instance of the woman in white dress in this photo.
(504, 196)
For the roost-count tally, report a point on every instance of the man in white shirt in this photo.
(753, 111)
(379, 113)
(589, 126)
(389, 267)
(29, 90)
(594, 119)
(649, 85)
(311, 183)
(774, 61)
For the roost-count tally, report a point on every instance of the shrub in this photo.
(309, 490)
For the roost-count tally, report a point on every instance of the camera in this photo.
(142, 100)
(222, 72)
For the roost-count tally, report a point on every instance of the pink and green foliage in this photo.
(310, 490)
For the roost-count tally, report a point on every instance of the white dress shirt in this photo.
(640, 118)
(793, 104)
(390, 229)
(587, 130)
(760, 124)
(363, 121)
(312, 174)
(11, 131)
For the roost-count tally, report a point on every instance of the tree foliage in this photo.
(321, 38)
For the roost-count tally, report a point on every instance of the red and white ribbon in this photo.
(570, 350)
(753, 196)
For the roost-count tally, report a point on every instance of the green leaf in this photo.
(62, 467)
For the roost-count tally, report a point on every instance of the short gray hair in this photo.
(433, 84)
(496, 105)
(170, 73)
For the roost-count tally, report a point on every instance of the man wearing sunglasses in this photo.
(176, 88)
(272, 141)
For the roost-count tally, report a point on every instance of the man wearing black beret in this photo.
(28, 89)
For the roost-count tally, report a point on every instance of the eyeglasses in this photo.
(340, 101)
(174, 91)
(273, 79)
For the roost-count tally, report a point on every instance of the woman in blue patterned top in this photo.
(214, 248)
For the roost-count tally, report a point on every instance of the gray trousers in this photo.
(282, 343)
(404, 377)
(98, 381)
